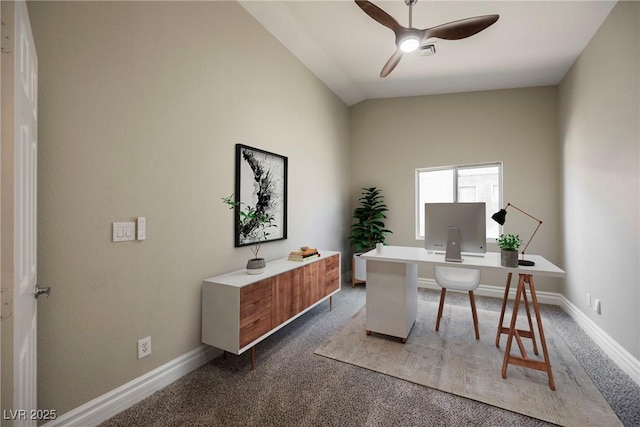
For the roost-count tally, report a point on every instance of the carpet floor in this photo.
(292, 386)
(453, 360)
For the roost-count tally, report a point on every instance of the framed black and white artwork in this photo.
(261, 184)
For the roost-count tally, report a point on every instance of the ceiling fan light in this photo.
(409, 44)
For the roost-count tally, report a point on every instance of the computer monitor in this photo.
(455, 228)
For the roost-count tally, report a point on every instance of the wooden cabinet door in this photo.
(255, 311)
(313, 282)
(286, 296)
(332, 278)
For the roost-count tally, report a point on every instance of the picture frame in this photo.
(261, 183)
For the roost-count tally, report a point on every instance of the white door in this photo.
(25, 197)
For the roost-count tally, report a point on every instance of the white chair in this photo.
(461, 279)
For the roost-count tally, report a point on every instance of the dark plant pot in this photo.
(256, 266)
(509, 258)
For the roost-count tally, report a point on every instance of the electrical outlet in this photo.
(596, 306)
(144, 347)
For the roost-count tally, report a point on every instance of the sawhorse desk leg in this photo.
(512, 332)
(522, 333)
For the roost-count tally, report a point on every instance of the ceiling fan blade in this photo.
(391, 63)
(379, 15)
(460, 29)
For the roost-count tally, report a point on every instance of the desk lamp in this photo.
(500, 218)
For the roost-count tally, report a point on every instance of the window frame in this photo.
(454, 169)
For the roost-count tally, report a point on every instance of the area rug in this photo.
(452, 360)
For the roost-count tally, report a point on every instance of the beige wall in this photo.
(600, 140)
(141, 104)
(390, 138)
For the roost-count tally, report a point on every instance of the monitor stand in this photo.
(453, 245)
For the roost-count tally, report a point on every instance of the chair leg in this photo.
(475, 314)
(442, 294)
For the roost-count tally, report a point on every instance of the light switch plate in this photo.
(142, 228)
(123, 231)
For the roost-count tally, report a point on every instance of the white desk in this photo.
(490, 261)
(392, 296)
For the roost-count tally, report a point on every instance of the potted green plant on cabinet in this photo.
(509, 244)
(369, 228)
(254, 225)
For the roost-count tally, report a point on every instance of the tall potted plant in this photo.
(509, 244)
(253, 225)
(369, 227)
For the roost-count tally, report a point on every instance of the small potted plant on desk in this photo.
(253, 226)
(368, 230)
(509, 245)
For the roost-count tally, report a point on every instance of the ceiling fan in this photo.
(409, 39)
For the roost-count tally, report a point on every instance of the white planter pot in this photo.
(360, 267)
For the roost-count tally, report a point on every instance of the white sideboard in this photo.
(239, 310)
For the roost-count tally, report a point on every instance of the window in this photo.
(468, 183)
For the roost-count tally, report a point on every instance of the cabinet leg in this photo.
(253, 357)
(224, 355)
(330, 302)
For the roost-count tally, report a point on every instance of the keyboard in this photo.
(469, 254)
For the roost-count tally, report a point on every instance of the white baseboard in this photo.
(110, 404)
(615, 351)
(629, 364)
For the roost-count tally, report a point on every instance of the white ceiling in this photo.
(534, 43)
